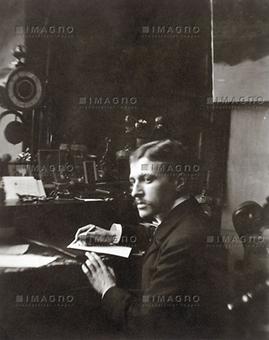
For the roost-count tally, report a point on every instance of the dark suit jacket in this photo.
(183, 284)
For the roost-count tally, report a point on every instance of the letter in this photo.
(170, 30)
(187, 168)
(242, 100)
(52, 29)
(161, 298)
(70, 298)
(251, 239)
(187, 29)
(234, 100)
(260, 100)
(161, 168)
(178, 29)
(178, 168)
(43, 299)
(178, 298)
(196, 166)
(161, 29)
(34, 298)
(61, 28)
(124, 101)
(115, 100)
(196, 298)
(260, 238)
(52, 298)
(98, 101)
(233, 238)
(44, 30)
(224, 99)
(250, 99)
(170, 299)
(35, 29)
(61, 299)
(225, 238)
(107, 101)
(124, 239)
(187, 298)
(70, 29)
(195, 29)
(169, 168)
(133, 239)
(133, 100)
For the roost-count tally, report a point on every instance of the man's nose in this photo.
(137, 190)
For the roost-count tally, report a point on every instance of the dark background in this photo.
(109, 57)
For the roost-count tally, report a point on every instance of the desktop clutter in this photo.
(72, 172)
(64, 173)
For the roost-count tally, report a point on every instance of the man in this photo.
(180, 297)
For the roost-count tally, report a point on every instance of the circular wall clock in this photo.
(24, 89)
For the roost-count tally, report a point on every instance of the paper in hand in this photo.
(109, 250)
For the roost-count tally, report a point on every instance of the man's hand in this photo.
(100, 276)
(91, 234)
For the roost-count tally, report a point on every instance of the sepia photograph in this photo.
(134, 169)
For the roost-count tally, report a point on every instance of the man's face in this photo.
(154, 192)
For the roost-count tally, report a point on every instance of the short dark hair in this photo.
(168, 151)
(172, 153)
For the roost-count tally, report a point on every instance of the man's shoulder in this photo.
(192, 226)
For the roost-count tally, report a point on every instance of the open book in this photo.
(25, 185)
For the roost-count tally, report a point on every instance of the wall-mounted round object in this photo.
(15, 130)
(24, 89)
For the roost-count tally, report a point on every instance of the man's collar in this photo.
(178, 212)
(180, 200)
(177, 202)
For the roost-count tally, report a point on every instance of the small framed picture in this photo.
(90, 172)
(19, 169)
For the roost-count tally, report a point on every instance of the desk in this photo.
(54, 221)
(55, 302)
(52, 302)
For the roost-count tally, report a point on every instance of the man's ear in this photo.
(180, 182)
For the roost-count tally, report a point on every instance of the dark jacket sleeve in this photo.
(137, 236)
(170, 278)
(182, 270)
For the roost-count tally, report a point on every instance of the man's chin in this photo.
(144, 213)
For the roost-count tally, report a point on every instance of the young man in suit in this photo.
(182, 286)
